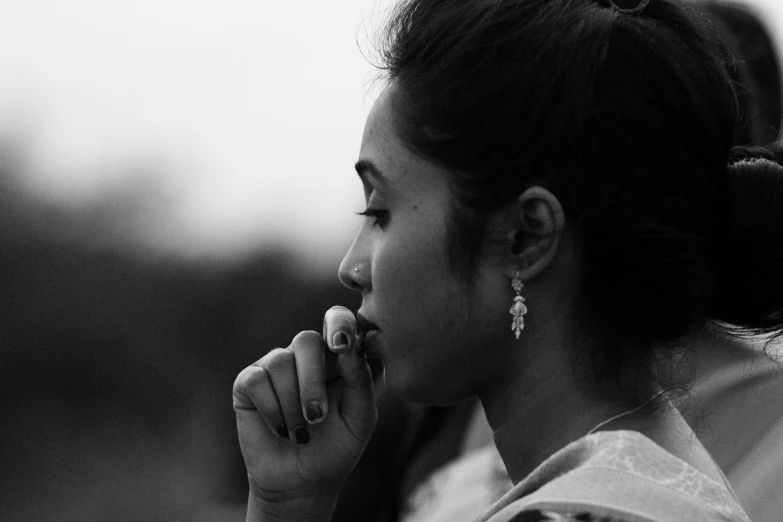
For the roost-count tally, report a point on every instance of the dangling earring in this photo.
(519, 309)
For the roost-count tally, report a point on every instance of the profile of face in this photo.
(439, 338)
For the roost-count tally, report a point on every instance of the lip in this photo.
(366, 331)
(363, 324)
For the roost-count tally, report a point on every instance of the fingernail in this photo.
(301, 435)
(314, 411)
(282, 432)
(340, 341)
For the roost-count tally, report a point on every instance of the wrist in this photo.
(317, 508)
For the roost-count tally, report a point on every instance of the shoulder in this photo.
(618, 476)
(537, 515)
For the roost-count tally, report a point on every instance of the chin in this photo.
(420, 390)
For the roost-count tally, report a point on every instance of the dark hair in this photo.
(628, 120)
(750, 287)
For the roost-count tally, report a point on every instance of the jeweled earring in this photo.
(518, 310)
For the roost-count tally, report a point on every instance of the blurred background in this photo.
(176, 193)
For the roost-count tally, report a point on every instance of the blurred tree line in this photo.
(116, 369)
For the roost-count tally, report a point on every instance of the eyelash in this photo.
(374, 213)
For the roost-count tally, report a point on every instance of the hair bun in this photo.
(772, 153)
(749, 281)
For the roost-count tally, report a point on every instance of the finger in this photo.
(253, 391)
(281, 366)
(310, 356)
(357, 404)
(339, 329)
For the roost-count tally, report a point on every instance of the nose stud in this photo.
(356, 270)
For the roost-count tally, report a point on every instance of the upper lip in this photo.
(364, 325)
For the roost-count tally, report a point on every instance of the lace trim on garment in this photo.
(635, 454)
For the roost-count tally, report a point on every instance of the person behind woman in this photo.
(567, 161)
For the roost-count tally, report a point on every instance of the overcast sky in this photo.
(249, 112)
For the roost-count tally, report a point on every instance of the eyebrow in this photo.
(364, 167)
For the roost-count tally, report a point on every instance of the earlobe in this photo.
(539, 224)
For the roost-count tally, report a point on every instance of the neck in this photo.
(540, 396)
(532, 423)
(548, 418)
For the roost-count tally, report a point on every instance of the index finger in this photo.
(339, 329)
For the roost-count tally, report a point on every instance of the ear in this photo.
(538, 226)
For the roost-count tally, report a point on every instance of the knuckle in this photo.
(312, 385)
(238, 395)
(293, 412)
(307, 340)
(307, 336)
(242, 390)
(240, 404)
(270, 412)
(258, 376)
(277, 359)
(240, 382)
(260, 362)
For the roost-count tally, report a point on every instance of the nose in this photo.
(354, 272)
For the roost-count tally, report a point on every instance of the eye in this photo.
(379, 216)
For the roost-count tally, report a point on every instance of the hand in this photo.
(304, 415)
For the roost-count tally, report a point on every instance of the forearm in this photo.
(317, 509)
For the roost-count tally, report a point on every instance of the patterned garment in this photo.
(620, 475)
(460, 491)
(623, 463)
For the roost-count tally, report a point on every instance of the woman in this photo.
(733, 401)
(567, 160)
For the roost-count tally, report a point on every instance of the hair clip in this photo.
(640, 5)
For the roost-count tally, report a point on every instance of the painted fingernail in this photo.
(301, 435)
(314, 411)
(282, 432)
(340, 341)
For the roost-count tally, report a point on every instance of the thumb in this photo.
(357, 402)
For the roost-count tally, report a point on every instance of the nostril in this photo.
(348, 278)
(359, 282)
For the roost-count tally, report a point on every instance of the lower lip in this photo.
(367, 339)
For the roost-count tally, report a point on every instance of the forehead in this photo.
(380, 143)
(383, 148)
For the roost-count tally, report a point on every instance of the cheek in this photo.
(432, 337)
(411, 279)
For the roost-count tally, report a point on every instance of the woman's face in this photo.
(439, 339)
